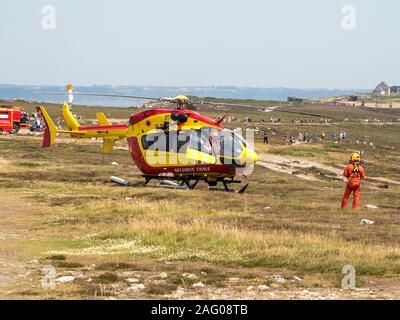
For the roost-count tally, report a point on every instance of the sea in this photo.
(38, 93)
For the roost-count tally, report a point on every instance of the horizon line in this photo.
(187, 86)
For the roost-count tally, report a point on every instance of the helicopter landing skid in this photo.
(183, 183)
(190, 183)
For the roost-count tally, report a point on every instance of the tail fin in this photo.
(103, 121)
(50, 131)
(108, 146)
(69, 118)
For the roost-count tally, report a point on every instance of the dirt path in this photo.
(290, 165)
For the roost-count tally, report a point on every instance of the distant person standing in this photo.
(58, 123)
(286, 137)
(354, 172)
(266, 137)
(25, 118)
(323, 136)
(305, 136)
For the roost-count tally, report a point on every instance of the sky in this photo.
(256, 43)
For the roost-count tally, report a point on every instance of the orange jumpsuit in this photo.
(353, 185)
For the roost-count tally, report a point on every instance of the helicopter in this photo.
(176, 144)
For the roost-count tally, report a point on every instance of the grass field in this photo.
(59, 209)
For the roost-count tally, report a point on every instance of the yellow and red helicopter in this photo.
(167, 144)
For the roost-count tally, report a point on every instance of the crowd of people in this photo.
(341, 136)
(305, 137)
(322, 120)
(36, 123)
(370, 120)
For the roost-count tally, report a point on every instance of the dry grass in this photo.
(226, 245)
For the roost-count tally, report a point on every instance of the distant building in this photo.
(382, 89)
(301, 100)
(395, 90)
(356, 97)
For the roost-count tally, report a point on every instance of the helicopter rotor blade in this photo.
(102, 95)
(302, 113)
(200, 103)
(235, 105)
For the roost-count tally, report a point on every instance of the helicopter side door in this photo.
(161, 149)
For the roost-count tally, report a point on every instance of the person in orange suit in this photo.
(354, 172)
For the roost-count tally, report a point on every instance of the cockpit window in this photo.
(173, 141)
(222, 143)
(231, 145)
(200, 143)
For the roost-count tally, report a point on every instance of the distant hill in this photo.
(278, 94)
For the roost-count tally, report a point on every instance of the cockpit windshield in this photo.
(223, 143)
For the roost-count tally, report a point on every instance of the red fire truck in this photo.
(12, 119)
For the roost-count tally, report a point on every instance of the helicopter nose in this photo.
(252, 156)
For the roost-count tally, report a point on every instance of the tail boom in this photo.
(109, 133)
